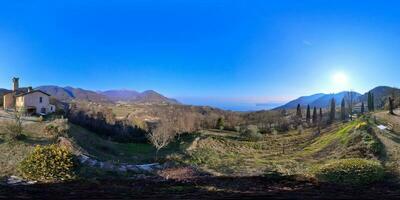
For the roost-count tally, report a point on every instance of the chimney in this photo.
(15, 83)
(30, 89)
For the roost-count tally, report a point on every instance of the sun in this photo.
(340, 82)
(339, 79)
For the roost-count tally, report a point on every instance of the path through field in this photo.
(391, 141)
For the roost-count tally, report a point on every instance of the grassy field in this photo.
(213, 151)
(291, 153)
(134, 153)
(12, 152)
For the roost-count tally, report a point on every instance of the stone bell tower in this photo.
(15, 83)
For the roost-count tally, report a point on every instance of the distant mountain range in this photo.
(322, 100)
(148, 96)
(68, 94)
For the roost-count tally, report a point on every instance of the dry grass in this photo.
(290, 153)
(12, 152)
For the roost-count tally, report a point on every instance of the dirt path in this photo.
(391, 142)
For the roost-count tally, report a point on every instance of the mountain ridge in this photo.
(147, 96)
(323, 100)
(69, 93)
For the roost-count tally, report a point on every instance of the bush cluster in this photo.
(251, 133)
(353, 171)
(369, 139)
(49, 163)
(57, 128)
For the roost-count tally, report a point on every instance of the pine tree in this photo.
(333, 111)
(362, 108)
(343, 110)
(314, 115)
(298, 113)
(308, 114)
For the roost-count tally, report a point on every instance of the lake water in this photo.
(234, 106)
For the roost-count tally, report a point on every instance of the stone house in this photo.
(27, 99)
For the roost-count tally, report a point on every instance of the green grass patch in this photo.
(350, 171)
(320, 143)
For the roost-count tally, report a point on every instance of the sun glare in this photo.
(339, 78)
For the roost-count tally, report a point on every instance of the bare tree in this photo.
(161, 136)
(15, 128)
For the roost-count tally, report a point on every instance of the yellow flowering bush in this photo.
(361, 125)
(353, 171)
(49, 163)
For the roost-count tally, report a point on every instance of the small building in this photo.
(27, 99)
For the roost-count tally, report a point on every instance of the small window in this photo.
(40, 99)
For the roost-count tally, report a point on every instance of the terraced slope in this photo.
(291, 153)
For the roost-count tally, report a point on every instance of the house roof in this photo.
(33, 91)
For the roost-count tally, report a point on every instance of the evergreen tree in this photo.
(372, 102)
(362, 108)
(369, 102)
(343, 110)
(314, 115)
(308, 114)
(320, 114)
(298, 113)
(220, 123)
(333, 111)
(391, 105)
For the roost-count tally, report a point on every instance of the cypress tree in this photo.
(343, 110)
(369, 102)
(372, 102)
(220, 123)
(333, 111)
(320, 114)
(308, 114)
(391, 105)
(298, 113)
(314, 115)
(362, 108)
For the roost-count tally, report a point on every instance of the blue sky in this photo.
(202, 51)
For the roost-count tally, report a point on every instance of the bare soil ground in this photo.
(199, 188)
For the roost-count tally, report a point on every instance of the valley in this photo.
(132, 138)
(280, 163)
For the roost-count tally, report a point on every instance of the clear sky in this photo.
(203, 51)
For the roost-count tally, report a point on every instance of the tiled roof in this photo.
(33, 91)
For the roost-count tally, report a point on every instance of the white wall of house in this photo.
(35, 99)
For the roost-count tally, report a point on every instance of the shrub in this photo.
(220, 123)
(15, 127)
(251, 133)
(354, 171)
(57, 128)
(49, 163)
